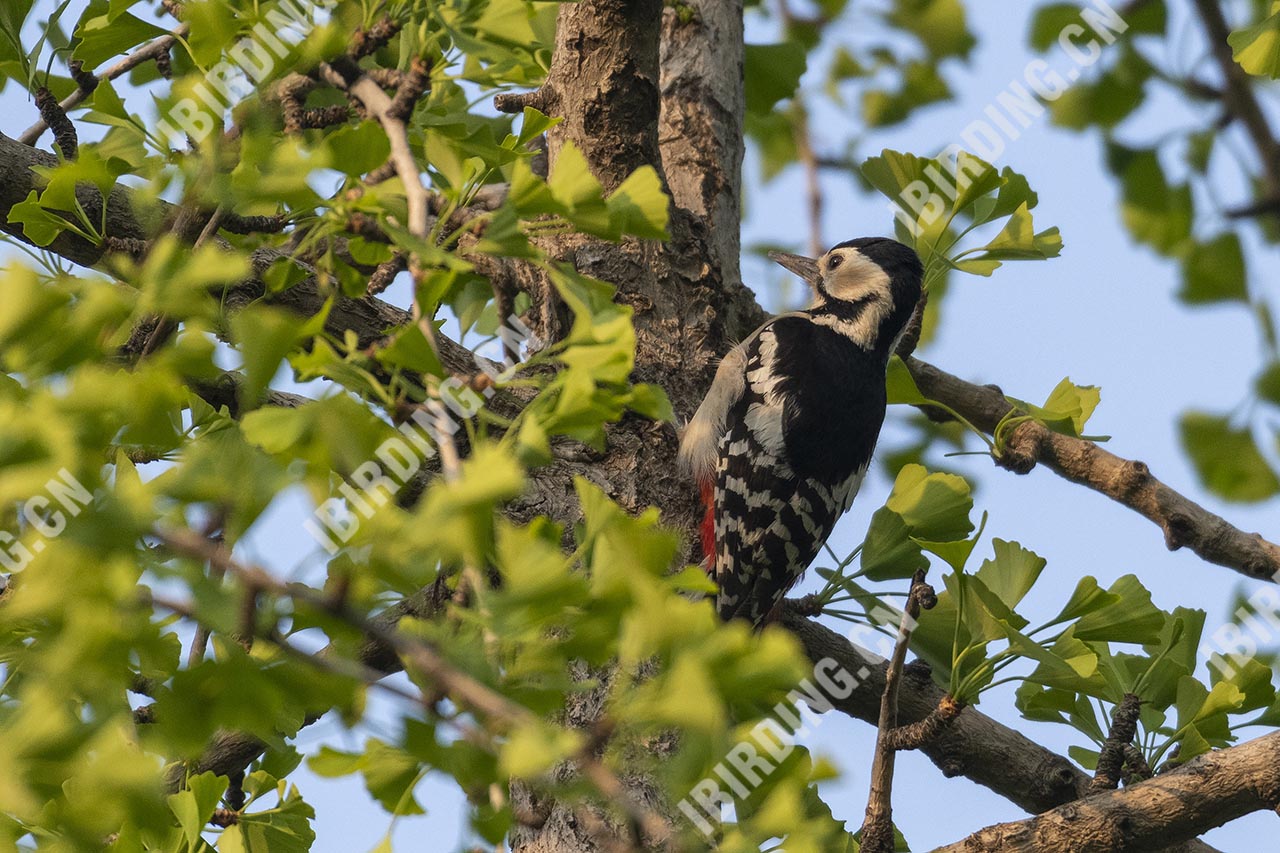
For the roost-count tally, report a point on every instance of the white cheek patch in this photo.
(858, 277)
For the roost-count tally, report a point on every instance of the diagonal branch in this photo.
(1173, 807)
(347, 76)
(1184, 522)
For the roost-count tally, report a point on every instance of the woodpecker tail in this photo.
(708, 528)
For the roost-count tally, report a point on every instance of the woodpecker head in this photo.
(870, 286)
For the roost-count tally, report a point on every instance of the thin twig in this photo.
(211, 227)
(348, 77)
(143, 54)
(449, 460)
(877, 827)
(1124, 725)
(1239, 96)
(391, 114)
(200, 642)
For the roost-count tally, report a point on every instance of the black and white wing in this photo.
(793, 453)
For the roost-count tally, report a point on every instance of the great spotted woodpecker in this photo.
(783, 439)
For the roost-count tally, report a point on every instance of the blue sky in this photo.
(1103, 314)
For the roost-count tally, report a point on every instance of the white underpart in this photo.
(699, 445)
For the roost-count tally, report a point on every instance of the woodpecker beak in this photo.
(806, 268)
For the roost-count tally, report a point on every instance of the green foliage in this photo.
(1214, 271)
(773, 72)
(975, 638)
(187, 432)
(1257, 48)
(921, 84)
(939, 25)
(940, 203)
(68, 407)
(1178, 709)
(1101, 645)
(1067, 410)
(1227, 458)
(1165, 178)
(106, 30)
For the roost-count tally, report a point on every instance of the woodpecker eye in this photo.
(836, 260)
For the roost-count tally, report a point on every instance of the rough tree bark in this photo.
(974, 745)
(617, 101)
(1209, 791)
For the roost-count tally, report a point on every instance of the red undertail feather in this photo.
(708, 529)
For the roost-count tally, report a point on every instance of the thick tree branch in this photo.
(1173, 807)
(973, 745)
(225, 391)
(124, 219)
(1184, 522)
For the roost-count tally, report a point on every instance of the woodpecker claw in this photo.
(806, 268)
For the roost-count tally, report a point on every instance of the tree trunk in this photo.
(624, 109)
